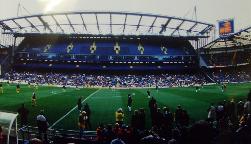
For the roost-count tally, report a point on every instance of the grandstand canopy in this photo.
(241, 38)
(106, 23)
(2, 46)
(8, 122)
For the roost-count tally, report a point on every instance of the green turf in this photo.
(104, 102)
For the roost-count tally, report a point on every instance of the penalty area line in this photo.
(55, 123)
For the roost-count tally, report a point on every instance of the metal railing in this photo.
(28, 133)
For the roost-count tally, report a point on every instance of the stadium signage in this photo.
(226, 27)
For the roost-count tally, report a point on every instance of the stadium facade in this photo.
(104, 41)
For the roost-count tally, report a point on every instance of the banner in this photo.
(226, 27)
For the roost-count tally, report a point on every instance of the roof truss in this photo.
(129, 24)
(111, 23)
(177, 28)
(32, 25)
(57, 23)
(124, 25)
(84, 25)
(239, 38)
(46, 26)
(150, 28)
(163, 27)
(70, 23)
(97, 23)
(138, 25)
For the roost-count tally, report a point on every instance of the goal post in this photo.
(8, 123)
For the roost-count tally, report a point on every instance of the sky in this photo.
(207, 10)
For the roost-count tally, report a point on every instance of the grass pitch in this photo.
(60, 106)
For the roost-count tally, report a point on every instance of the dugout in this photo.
(8, 123)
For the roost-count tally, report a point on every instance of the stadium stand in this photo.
(107, 48)
(232, 56)
(88, 54)
(88, 80)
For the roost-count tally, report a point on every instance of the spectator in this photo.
(88, 113)
(23, 113)
(152, 138)
(153, 110)
(240, 109)
(135, 121)
(212, 114)
(142, 118)
(243, 120)
(36, 141)
(172, 141)
(247, 105)
(200, 133)
(232, 110)
(108, 133)
(178, 115)
(117, 130)
(167, 118)
(159, 118)
(82, 122)
(220, 111)
(185, 118)
(119, 115)
(243, 133)
(99, 130)
(117, 141)
(1, 135)
(42, 126)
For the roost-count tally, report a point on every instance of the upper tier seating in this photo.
(109, 48)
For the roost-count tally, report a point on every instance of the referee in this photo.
(129, 102)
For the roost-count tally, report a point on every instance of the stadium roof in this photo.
(2, 46)
(106, 23)
(241, 38)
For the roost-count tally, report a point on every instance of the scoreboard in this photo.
(226, 27)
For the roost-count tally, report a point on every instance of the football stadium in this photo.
(123, 77)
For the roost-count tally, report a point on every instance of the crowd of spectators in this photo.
(89, 80)
(221, 58)
(231, 76)
(126, 80)
(228, 122)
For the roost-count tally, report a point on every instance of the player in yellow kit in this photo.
(18, 88)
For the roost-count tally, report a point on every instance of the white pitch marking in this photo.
(73, 109)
